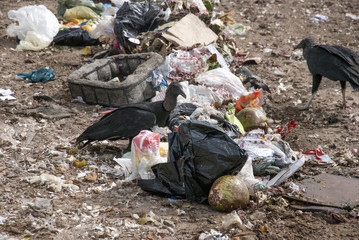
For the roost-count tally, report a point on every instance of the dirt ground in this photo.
(107, 207)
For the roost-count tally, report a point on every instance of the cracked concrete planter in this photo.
(91, 81)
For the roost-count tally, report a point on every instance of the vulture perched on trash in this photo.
(333, 62)
(129, 120)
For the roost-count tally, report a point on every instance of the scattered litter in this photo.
(5, 94)
(54, 183)
(319, 18)
(318, 155)
(125, 166)
(232, 220)
(284, 130)
(2, 220)
(352, 16)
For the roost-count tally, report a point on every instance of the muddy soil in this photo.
(37, 136)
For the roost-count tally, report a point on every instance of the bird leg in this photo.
(343, 85)
(316, 82)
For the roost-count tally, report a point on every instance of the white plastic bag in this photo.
(37, 27)
(199, 94)
(104, 28)
(223, 83)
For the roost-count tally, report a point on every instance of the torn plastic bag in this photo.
(134, 18)
(199, 154)
(74, 37)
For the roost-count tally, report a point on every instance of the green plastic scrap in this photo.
(229, 115)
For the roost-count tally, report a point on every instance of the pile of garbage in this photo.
(219, 129)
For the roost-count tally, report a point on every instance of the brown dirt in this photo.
(32, 144)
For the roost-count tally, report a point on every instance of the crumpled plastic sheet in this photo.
(134, 18)
(268, 151)
(199, 154)
(42, 75)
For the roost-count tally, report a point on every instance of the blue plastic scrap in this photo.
(42, 75)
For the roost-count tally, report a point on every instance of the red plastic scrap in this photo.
(283, 131)
(318, 155)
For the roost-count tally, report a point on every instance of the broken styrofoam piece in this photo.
(54, 183)
(5, 94)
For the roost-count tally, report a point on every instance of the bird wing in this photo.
(123, 122)
(346, 54)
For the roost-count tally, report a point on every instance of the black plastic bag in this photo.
(136, 17)
(74, 37)
(199, 154)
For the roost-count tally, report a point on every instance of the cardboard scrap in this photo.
(190, 31)
(331, 190)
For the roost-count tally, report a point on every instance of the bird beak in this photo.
(182, 93)
(298, 46)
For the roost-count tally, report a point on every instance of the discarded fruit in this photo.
(228, 193)
(252, 118)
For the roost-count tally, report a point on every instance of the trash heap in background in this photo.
(219, 129)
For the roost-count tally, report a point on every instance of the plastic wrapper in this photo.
(80, 12)
(253, 99)
(222, 82)
(36, 29)
(147, 151)
(134, 18)
(74, 37)
(199, 154)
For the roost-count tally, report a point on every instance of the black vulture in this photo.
(129, 120)
(333, 62)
